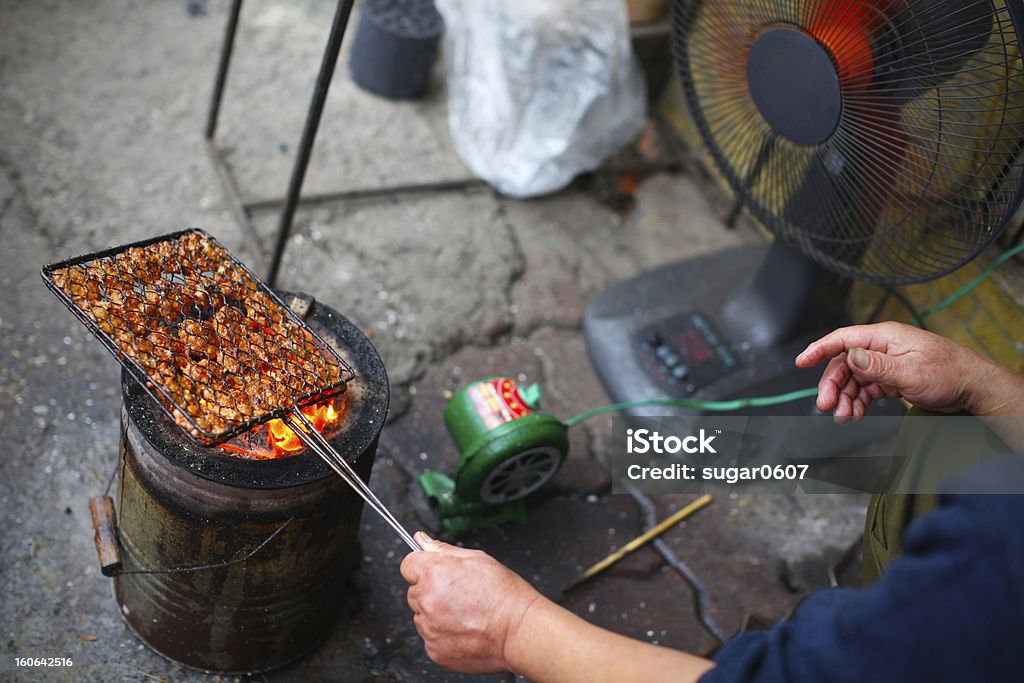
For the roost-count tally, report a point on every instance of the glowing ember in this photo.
(275, 439)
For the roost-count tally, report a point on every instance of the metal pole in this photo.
(222, 69)
(316, 108)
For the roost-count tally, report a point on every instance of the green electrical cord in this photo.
(720, 406)
(960, 293)
(761, 401)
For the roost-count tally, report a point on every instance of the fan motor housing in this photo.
(795, 84)
(494, 425)
(507, 451)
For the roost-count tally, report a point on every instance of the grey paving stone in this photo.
(365, 141)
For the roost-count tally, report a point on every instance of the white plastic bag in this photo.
(540, 90)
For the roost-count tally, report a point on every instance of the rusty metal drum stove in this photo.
(183, 506)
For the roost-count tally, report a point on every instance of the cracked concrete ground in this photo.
(101, 111)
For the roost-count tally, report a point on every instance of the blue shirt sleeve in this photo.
(951, 609)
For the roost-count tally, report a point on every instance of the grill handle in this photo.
(316, 442)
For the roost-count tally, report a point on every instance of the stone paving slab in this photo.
(103, 123)
(365, 141)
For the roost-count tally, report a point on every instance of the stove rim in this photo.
(369, 397)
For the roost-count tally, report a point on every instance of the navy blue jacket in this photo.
(950, 609)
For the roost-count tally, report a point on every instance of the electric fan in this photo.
(879, 140)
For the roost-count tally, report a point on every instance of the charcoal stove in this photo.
(182, 506)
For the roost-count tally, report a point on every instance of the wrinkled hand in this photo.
(466, 605)
(868, 362)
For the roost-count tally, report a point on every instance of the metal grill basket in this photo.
(206, 338)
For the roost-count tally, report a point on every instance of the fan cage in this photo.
(925, 167)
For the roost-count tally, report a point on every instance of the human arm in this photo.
(951, 608)
(476, 616)
(869, 362)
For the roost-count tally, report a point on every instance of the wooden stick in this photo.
(641, 540)
(104, 524)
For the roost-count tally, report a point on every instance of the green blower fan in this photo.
(507, 451)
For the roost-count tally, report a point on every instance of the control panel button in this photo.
(684, 353)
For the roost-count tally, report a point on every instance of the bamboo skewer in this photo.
(640, 540)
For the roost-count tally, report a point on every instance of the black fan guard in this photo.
(844, 254)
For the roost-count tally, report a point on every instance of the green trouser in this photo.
(929, 455)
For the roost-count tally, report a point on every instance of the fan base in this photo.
(675, 332)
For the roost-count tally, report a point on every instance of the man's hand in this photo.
(466, 605)
(868, 362)
(476, 616)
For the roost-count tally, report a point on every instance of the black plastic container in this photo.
(395, 47)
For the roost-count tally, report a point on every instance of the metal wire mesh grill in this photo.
(924, 167)
(208, 340)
